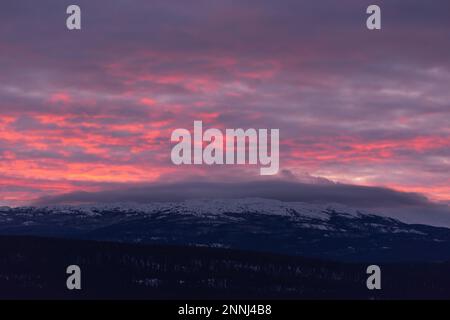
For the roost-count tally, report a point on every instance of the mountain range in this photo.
(324, 231)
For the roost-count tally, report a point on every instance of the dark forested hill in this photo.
(32, 267)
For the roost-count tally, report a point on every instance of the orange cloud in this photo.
(60, 97)
(148, 102)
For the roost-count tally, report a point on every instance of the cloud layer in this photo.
(84, 111)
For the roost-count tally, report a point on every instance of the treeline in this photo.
(33, 267)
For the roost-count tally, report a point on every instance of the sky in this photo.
(93, 110)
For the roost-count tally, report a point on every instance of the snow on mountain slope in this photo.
(90, 216)
(205, 208)
(325, 231)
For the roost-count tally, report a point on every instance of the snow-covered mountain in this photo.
(325, 231)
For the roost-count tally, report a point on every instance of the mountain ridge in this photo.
(328, 231)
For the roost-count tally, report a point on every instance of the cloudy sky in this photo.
(93, 110)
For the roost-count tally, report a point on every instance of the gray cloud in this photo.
(279, 190)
